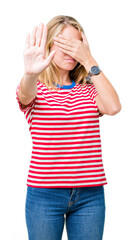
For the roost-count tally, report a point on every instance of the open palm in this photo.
(34, 52)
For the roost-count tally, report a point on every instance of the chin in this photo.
(68, 66)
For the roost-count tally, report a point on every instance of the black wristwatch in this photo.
(95, 70)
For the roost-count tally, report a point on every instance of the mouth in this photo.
(70, 59)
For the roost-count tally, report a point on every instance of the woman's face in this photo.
(61, 58)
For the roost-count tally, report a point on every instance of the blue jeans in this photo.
(82, 209)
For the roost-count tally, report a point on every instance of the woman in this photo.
(62, 102)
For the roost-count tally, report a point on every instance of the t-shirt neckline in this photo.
(60, 92)
(67, 86)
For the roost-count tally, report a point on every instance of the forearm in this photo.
(28, 86)
(107, 93)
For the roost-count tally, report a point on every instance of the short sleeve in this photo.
(93, 93)
(92, 90)
(28, 110)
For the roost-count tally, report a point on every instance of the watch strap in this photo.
(90, 73)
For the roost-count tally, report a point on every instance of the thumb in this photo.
(49, 58)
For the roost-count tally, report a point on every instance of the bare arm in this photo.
(28, 90)
(34, 62)
(108, 101)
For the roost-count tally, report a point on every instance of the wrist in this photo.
(28, 85)
(30, 77)
(90, 63)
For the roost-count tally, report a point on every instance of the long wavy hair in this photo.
(51, 76)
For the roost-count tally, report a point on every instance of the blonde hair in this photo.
(51, 74)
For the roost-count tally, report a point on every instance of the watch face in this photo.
(95, 70)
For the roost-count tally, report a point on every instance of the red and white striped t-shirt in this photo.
(66, 142)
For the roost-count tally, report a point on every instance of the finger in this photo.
(59, 44)
(44, 37)
(33, 36)
(84, 38)
(49, 58)
(70, 43)
(68, 52)
(27, 45)
(39, 34)
(72, 40)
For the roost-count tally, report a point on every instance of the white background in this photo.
(110, 27)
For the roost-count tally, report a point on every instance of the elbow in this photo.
(116, 110)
